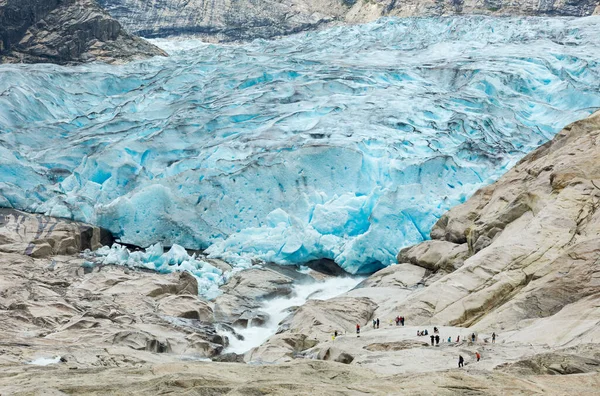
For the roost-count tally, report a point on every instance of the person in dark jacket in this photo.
(461, 361)
(432, 339)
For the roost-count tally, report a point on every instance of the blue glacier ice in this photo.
(154, 258)
(347, 143)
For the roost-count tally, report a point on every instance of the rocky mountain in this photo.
(65, 31)
(229, 20)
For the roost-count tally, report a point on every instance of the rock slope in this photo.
(228, 20)
(65, 31)
(521, 258)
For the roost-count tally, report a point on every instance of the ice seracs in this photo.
(347, 143)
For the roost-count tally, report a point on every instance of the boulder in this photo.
(42, 236)
(435, 255)
(186, 306)
(244, 293)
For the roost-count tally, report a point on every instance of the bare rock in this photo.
(400, 276)
(42, 236)
(534, 236)
(244, 293)
(186, 306)
(435, 255)
(65, 31)
(552, 364)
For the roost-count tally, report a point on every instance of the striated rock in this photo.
(398, 276)
(534, 236)
(65, 31)
(320, 318)
(281, 348)
(553, 364)
(244, 293)
(186, 306)
(227, 20)
(435, 255)
(41, 236)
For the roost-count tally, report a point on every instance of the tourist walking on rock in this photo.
(449, 340)
(373, 323)
(402, 320)
(437, 340)
(461, 361)
(432, 339)
(457, 338)
(477, 355)
(357, 330)
(473, 337)
(493, 337)
(377, 322)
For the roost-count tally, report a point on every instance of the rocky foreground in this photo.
(65, 32)
(521, 258)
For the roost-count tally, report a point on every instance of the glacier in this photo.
(346, 143)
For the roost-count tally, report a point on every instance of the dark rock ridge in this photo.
(65, 32)
(238, 20)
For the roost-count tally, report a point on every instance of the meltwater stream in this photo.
(277, 309)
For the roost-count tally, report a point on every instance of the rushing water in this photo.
(277, 309)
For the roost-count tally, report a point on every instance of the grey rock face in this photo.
(223, 20)
(65, 31)
(237, 20)
(41, 236)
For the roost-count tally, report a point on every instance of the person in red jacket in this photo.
(357, 330)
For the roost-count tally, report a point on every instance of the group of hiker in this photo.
(376, 323)
(435, 337)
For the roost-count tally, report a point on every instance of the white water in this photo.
(43, 361)
(277, 309)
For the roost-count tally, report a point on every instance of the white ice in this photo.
(346, 143)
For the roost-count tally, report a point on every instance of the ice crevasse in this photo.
(346, 143)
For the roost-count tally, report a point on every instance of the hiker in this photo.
(402, 320)
(435, 330)
(461, 361)
(426, 332)
(432, 339)
(449, 340)
(419, 333)
(457, 338)
(493, 337)
(473, 337)
(373, 323)
(477, 355)
(357, 330)
(335, 333)
(437, 340)
(377, 322)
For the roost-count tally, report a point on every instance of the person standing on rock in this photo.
(357, 330)
(449, 340)
(377, 322)
(402, 320)
(432, 339)
(493, 337)
(473, 337)
(461, 361)
(373, 323)
(437, 340)
(477, 355)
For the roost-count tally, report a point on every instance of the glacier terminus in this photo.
(345, 144)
